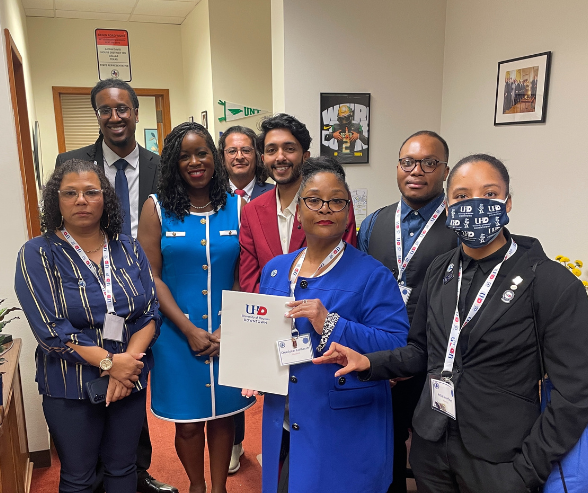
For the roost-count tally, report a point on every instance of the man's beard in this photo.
(294, 176)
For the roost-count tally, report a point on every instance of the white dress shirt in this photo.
(132, 174)
(286, 220)
(248, 189)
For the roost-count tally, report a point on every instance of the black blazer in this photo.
(148, 166)
(496, 380)
(260, 188)
(382, 247)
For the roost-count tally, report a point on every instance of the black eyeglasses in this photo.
(105, 112)
(428, 165)
(316, 204)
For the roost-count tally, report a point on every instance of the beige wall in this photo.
(393, 50)
(549, 178)
(13, 218)
(240, 37)
(196, 60)
(63, 53)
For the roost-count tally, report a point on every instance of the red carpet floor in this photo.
(165, 465)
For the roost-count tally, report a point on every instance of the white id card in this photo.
(295, 350)
(443, 396)
(405, 292)
(113, 327)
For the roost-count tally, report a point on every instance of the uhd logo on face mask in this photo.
(255, 310)
(465, 208)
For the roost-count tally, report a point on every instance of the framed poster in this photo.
(521, 89)
(345, 121)
(204, 119)
(151, 140)
(113, 54)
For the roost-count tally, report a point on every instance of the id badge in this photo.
(295, 350)
(405, 292)
(443, 396)
(113, 327)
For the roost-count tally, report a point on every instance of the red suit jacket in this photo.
(259, 237)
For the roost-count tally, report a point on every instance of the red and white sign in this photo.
(113, 53)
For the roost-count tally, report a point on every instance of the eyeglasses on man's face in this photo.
(245, 151)
(428, 165)
(92, 195)
(105, 112)
(316, 203)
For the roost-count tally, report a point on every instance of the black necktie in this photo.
(121, 186)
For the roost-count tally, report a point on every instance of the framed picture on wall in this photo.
(151, 141)
(345, 124)
(521, 89)
(204, 119)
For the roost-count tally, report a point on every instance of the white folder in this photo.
(251, 326)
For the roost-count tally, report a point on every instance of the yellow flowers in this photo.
(575, 267)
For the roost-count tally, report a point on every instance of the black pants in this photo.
(446, 466)
(144, 450)
(405, 396)
(239, 428)
(83, 431)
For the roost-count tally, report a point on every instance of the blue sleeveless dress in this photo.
(199, 256)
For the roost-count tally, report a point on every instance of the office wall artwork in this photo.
(151, 140)
(345, 124)
(521, 89)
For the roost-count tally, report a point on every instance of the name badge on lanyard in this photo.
(113, 324)
(299, 349)
(442, 388)
(405, 291)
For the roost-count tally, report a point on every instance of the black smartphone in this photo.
(97, 389)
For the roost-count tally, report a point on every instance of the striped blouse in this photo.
(63, 303)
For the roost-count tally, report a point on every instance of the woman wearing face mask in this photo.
(486, 309)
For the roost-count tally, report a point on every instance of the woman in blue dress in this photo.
(190, 234)
(339, 435)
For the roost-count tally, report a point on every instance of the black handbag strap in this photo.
(542, 365)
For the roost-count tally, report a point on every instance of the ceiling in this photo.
(159, 11)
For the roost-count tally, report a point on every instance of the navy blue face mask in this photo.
(477, 221)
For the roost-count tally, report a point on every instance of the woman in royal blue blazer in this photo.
(331, 434)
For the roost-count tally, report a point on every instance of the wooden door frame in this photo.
(161, 108)
(23, 134)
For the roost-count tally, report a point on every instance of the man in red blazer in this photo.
(268, 224)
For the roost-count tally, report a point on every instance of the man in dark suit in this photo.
(268, 224)
(420, 174)
(237, 147)
(134, 172)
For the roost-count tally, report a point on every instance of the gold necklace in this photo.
(101, 245)
(202, 207)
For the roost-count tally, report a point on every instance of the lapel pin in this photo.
(515, 282)
(507, 296)
(274, 273)
(450, 268)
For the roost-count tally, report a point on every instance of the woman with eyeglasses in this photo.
(89, 297)
(331, 434)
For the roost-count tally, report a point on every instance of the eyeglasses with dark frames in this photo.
(428, 165)
(316, 203)
(72, 195)
(105, 112)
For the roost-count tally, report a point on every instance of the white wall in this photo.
(13, 219)
(391, 49)
(63, 53)
(240, 36)
(197, 66)
(546, 161)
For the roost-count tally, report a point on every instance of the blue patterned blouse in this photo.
(63, 303)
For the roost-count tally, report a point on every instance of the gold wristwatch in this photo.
(106, 363)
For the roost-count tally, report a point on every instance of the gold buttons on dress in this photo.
(205, 267)
(208, 385)
(202, 221)
(204, 317)
(173, 233)
(204, 292)
(207, 362)
(203, 242)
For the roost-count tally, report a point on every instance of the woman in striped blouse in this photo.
(89, 297)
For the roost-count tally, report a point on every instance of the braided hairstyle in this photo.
(111, 220)
(171, 189)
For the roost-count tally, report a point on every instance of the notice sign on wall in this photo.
(114, 58)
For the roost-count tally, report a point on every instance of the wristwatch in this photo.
(106, 363)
